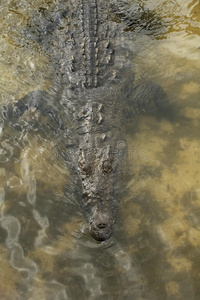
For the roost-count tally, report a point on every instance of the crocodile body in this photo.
(92, 87)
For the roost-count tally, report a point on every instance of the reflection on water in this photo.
(46, 251)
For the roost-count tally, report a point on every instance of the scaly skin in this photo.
(92, 67)
(98, 160)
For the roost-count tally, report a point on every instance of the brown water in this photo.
(45, 250)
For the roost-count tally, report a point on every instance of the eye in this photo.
(86, 169)
(107, 166)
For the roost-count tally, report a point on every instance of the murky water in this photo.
(46, 251)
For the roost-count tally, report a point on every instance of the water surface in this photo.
(46, 251)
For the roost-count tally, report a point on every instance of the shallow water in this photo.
(46, 251)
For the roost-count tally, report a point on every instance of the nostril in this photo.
(102, 225)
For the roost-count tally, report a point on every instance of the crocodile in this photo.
(94, 89)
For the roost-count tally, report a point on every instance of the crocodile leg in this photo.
(37, 112)
(38, 101)
(146, 97)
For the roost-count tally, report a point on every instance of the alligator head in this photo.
(97, 169)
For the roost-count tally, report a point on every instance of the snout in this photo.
(101, 230)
